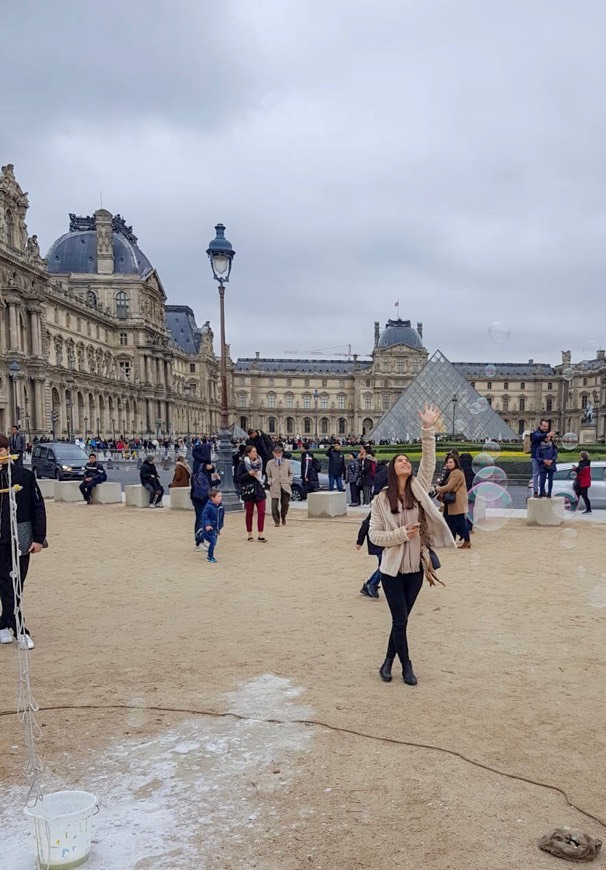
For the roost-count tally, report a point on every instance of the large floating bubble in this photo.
(498, 331)
(490, 507)
(597, 596)
(480, 461)
(491, 474)
(568, 373)
(568, 539)
(492, 447)
(136, 712)
(490, 371)
(482, 403)
(564, 509)
(570, 441)
(475, 409)
(459, 425)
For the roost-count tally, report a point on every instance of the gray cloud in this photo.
(447, 153)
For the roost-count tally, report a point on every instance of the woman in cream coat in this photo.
(405, 521)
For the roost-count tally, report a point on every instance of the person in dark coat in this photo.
(94, 474)
(465, 461)
(202, 454)
(250, 476)
(583, 479)
(310, 468)
(263, 443)
(336, 467)
(371, 587)
(380, 481)
(148, 476)
(31, 521)
(367, 474)
(17, 444)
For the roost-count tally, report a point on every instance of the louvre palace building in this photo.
(89, 345)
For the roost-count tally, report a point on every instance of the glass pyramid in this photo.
(464, 412)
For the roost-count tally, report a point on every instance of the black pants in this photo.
(155, 492)
(401, 593)
(87, 488)
(7, 597)
(583, 493)
(279, 507)
(457, 523)
(354, 492)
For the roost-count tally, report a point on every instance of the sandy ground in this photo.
(510, 660)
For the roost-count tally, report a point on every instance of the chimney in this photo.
(257, 354)
(530, 362)
(601, 354)
(105, 247)
(377, 332)
(420, 329)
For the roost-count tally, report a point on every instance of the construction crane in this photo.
(322, 351)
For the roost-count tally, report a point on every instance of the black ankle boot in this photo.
(408, 674)
(385, 670)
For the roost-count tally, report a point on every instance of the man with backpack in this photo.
(199, 494)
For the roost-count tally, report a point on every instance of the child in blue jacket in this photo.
(212, 522)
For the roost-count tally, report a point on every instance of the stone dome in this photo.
(400, 332)
(76, 251)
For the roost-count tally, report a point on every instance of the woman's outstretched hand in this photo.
(429, 415)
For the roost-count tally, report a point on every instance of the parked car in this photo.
(59, 459)
(298, 493)
(563, 481)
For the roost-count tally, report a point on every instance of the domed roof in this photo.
(400, 332)
(76, 251)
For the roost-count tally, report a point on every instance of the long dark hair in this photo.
(393, 494)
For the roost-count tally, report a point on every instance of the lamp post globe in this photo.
(221, 253)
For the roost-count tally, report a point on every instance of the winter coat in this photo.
(467, 469)
(16, 443)
(264, 445)
(212, 515)
(535, 440)
(279, 479)
(385, 530)
(363, 536)
(336, 462)
(367, 471)
(547, 451)
(181, 476)
(380, 481)
(456, 484)
(353, 471)
(243, 477)
(148, 473)
(309, 475)
(96, 471)
(583, 470)
(30, 504)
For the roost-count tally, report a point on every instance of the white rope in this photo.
(27, 706)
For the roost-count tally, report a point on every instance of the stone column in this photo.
(13, 326)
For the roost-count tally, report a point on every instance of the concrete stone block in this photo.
(47, 487)
(545, 511)
(68, 490)
(107, 493)
(327, 504)
(136, 496)
(179, 499)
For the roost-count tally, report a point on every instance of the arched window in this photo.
(271, 425)
(522, 403)
(307, 425)
(367, 425)
(290, 426)
(122, 303)
(342, 425)
(91, 298)
(324, 426)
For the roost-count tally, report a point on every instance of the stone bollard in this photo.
(327, 504)
(180, 499)
(545, 511)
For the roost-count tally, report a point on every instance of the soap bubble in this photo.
(482, 403)
(480, 461)
(492, 447)
(459, 425)
(564, 504)
(490, 371)
(568, 539)
(498, 331)
(475, 559)
(570, 441)
(568, 373)
(597, 596)
(590, 348)
(475, 409)
(490, 506)
(491, 474)
(136, 712)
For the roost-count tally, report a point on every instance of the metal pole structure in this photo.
(13, 371)
(316, 395)
(85, 428)
(454, 412)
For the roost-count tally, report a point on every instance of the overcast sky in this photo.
(447, 153)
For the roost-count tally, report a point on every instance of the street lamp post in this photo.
(98, 427)
(221, 253)
(316, 397)
(70, 405)
(159, 428)
(114, 428)
(85, 429)
(187, 394)
(454, 411)
(13, 373)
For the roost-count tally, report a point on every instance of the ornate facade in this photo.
(87, 342)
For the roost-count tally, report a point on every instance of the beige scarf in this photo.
(428, 569)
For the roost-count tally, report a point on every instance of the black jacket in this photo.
(30, 504)
(363, 536)
(309, 474)
(243, 477)
(96, 471)
(336, 462)
(264, 445)
(148, 473)
(202, 455)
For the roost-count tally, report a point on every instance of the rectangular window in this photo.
(341, 385)
(367, 400)
(242, 400)
(289, 382)
(584, 382)
(489, 400)
(367, 382)
(473, 384)
(583, 401)
(385, 402)
(489, 385)
(549, 385)
(271, 401)
(192, 368)
(307, 401)
(401, 368)
(289, 401)
(341, 403)
(125, 369)
(522, 403)
(307, 426)
(522, 386)
(324, 402)
(549, 405)
(123, 338)
(506, 403)
(505, 385)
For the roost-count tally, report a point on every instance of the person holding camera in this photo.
(407, 524)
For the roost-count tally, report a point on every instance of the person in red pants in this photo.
(249, 478)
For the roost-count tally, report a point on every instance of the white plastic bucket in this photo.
(62, 827)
